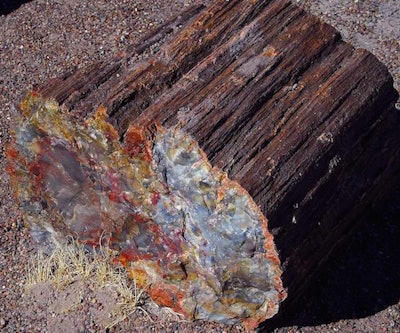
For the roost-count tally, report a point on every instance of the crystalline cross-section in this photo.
(182, 228)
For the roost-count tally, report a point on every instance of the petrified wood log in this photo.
(275, 98)
(193, 238)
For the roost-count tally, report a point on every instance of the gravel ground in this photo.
(43, 39)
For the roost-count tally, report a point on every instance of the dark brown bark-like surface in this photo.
(299, 118)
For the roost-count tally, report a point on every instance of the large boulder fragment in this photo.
(193, 237)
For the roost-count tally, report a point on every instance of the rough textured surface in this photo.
(193, 238)
(369, 24)
(277, 100)
(44, 39)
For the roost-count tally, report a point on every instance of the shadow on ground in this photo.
(361, 280)
(7, 6)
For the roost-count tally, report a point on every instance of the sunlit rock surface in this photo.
(195, 238)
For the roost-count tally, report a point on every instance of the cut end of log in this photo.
(193, 237)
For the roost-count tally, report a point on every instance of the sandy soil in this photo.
(359, 291)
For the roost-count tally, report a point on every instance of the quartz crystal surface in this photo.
(193, 237)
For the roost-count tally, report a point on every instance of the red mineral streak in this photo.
(136, 144)
(155, 198)
(187, 233)
(140, 219)
(12, 153)
(132, 255)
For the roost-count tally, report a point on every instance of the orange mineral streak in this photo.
(130, 255)
(99, 122)
(13, 168)
(170, 297)
(140, 276)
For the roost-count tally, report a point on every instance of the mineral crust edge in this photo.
(194, 238)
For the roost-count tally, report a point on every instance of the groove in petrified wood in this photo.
(302, 120)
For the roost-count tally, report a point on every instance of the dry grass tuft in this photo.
(73, 262)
